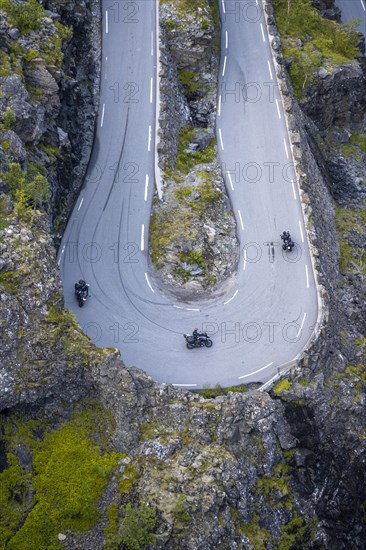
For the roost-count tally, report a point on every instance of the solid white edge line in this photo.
(230, 180)
(223, 6)
(263, 36)
(245, 260)
(226, 39)
(106, 22)
(307, 276)
(103, 109)
(241, 220)
(142, 247)
(146, 186)
(270, 70)
(222, 145)
(363, 5)
(232, 298)
(149, 141)
(301, 326)
(284, 142)
(81, 202)
(301, 233)
(219, 109)
(151, 89)
(186, 385)
(278, 109)
(60, 258)
(224, 67)
(255, 372)
(293, 189)
(148, 282)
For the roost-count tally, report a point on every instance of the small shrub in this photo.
(8, 119)
(26, 16)
(282, 385)
(136, 528)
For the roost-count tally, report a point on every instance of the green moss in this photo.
(292, 534)
(136, 527)
(282, 385)
(353, 257)
(5, 64)
(5, 144)
(258, 536)
(111, 531)
(128, 479)
(180, 510)
(310, 41)
(70, 472)
(8, 119)
(26, 16)
(211, 393)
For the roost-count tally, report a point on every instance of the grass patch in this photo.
(351, 223)
(355, 147)
(282, 385)
(211, 393)
(310, 40)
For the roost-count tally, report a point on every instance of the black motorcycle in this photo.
(81, 296)
(288, 243)
(199, 342)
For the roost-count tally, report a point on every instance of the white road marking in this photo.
(103, 109)
(148, 282)
(363, 5)
(307, 276)
(185, 385)
(191, 309)
(81, 202)
(223, 6)
(245, 260)
(278, 109)
(142, 246)
(301, 326)
(152, 43)
(226, 39)
(301, 233)
(146, 186)
(219, 110)
(230, 180)
(241, 220)
(149, 141)
(232, 297)
(106, 22)
(270, 70)
(284, 142)
(62, 251)
(264, 38)
(293, 189)
(255, 372)
(222, 145)
(151, 89)
(106, 62)
(178, 307)
(224, 67)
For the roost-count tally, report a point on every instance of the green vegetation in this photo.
(28, 187)
(355, 147)
(70, 471)
(26, 16)
(191, 83)
(282, 385)
(258, 536)
(349, 224)
(211, 393)
(311, 41)
(134, 530)
(292, 534)
(186, 159)
(129, 478)
(356, 373)
(180, 510)
(8, 119)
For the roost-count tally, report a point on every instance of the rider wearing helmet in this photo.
(82, 286)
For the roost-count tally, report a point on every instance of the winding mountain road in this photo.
(353, 9)
(266, 313)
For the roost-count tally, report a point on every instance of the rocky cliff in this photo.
(97, 455)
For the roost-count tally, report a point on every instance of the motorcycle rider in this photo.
(286, 236)
(82, 287)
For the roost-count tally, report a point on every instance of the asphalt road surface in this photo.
(266, 313)
(353, 9)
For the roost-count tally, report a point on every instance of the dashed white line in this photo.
(146, 186)
(152, 43)
(245, 260)
(232, 297)
(307, 276)
(219, 109)
(301, 326)
(285, 144)
(142, 244)
(223, 6)
(148, 282)
(278, 109)
(301, 233)
(185, 385)
(106, 72)
(264, 38)
(106, 22)
(241, 220)
(224, 67)
(363, 5)
(149, 140)
(151, 89)
(293, 189)
(255, 372)
(230, 180)
(103, 109)
(191, 309)
(60, 258)
(226, 40)
(270, 70)
(81, 202)
(178, 307)
(222, 145)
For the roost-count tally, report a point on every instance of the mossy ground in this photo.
(311, 41)
(71, 465)
(351, 229)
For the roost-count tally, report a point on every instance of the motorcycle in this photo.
(200, 342)
(81, 296)
(288, 243)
